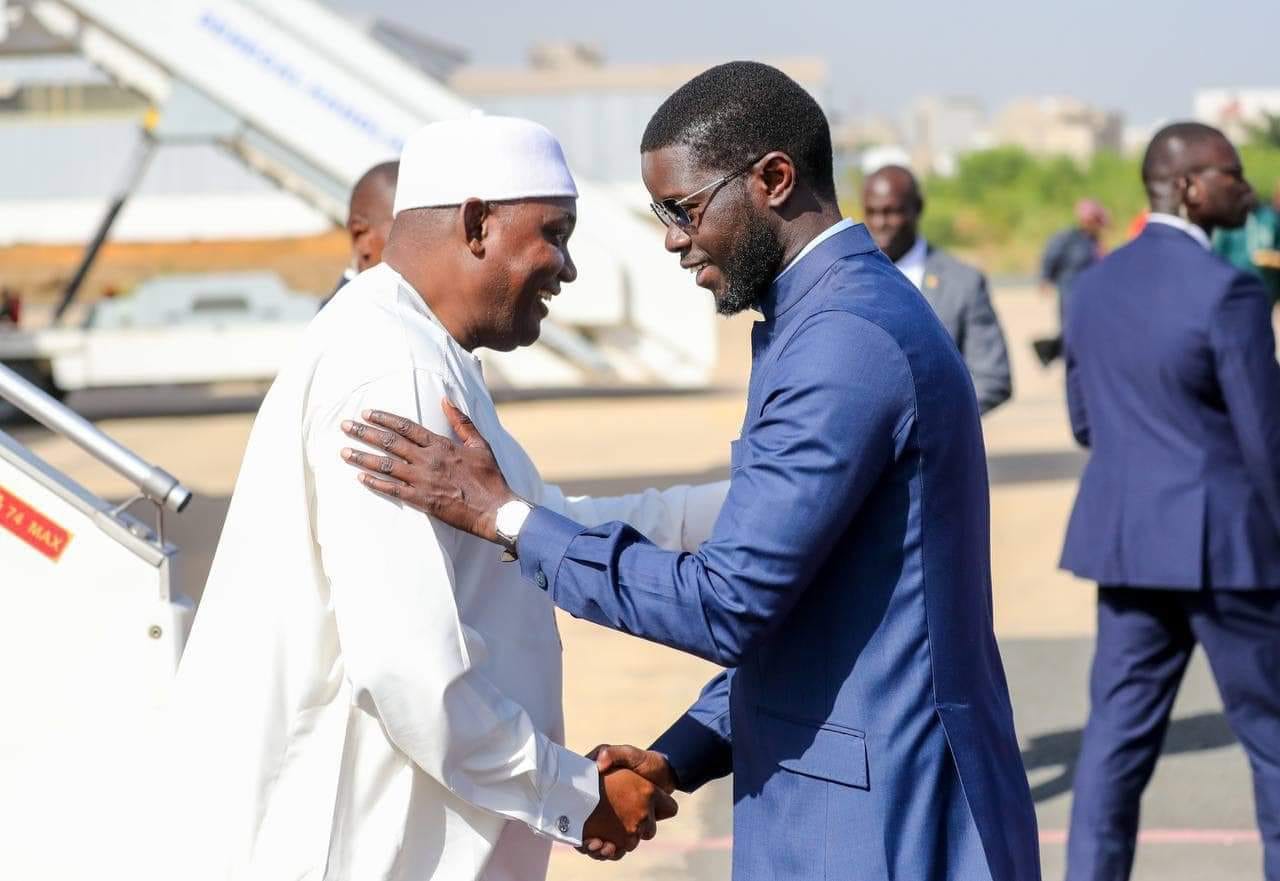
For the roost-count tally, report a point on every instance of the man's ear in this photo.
(1185, 190)
(778, 175)
(474, 214)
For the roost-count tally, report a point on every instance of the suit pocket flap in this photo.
(823, 750)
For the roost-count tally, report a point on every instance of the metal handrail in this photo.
(155, 483)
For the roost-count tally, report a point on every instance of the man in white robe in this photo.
(343, 715)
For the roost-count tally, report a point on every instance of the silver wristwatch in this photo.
(507, 523)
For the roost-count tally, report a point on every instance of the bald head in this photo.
(893, 178)
(1174, 152)
(378, 182)
(891, 207)
(1192, 170)
(369, 213)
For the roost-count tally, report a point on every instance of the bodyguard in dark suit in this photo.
(847, 583)
(892, 206)
(1173, 385)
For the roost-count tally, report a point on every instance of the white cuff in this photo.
(702, 506)
(571, 798)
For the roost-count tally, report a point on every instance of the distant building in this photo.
(597, 109)
(941, 128)
(1058, 126)
(1235, 110)
(865, 131)
(874, 158)
(865, 141)
(1135, 137)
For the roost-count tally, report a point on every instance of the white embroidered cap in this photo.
(494, 158)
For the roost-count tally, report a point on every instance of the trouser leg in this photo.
(1240, 631)
(1143, 644)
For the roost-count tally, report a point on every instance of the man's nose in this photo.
(676, 239)
(568, 272)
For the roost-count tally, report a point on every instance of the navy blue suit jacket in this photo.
(1172, 383)
(865, 717)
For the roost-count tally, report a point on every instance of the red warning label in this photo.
(31, 526)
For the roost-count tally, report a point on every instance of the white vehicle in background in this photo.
(171, 330)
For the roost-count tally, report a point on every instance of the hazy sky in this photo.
(1141, 57)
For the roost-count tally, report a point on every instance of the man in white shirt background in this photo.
(892, 207)
(400, 717)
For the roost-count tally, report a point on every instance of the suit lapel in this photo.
(934, 269)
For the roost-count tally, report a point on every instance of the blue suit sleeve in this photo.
(1244, 353)
(828, 427)
(699, 746)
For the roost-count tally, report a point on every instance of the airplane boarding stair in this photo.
(91, 629)
(305, 97)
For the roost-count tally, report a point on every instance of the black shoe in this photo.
(1047, 350)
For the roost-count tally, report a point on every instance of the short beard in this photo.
(750, 270)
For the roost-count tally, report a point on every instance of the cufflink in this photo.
(540, 579)
(563, 822)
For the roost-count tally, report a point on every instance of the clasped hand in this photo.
(635, 793)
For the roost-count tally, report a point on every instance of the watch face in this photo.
(510, 518)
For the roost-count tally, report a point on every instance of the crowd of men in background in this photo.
(1174, 388)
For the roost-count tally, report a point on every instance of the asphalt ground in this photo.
(1197, 820)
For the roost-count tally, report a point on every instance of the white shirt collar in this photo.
(419, 302)
(911, 264)
(1186, 226)
(817, 240)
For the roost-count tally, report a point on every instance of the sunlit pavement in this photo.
(1197, 817)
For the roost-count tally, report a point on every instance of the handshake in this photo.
(635, 793)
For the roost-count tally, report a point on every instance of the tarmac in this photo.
(1197, 820)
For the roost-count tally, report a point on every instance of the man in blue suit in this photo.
(1173, 385)
(846, 587)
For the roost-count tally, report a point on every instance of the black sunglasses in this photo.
(673, 212)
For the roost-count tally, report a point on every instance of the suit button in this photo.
(541, 580)
(563, 823)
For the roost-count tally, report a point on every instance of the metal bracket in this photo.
(157, 534)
